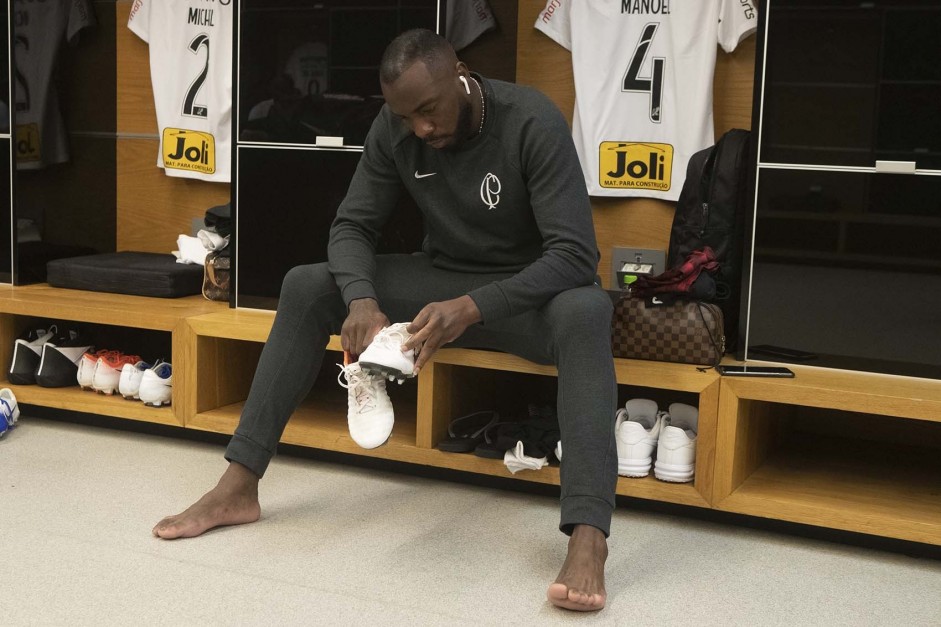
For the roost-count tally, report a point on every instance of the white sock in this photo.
(516, 460)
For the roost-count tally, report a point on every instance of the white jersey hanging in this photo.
(40, 29)
(191, 71)
(643, 85)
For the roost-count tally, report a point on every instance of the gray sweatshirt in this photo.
(511, 200)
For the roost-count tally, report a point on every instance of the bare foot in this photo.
(234, 501)
(580, 584)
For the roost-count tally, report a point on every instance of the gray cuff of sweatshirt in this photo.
(358, 289)
(491, 301)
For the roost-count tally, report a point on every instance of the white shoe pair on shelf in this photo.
(101, 371)
(641, 428)
(370, 416)
(152, 384)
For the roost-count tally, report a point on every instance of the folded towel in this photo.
(191, 250)
(211, 240)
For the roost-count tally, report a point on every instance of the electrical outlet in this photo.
(620, 256)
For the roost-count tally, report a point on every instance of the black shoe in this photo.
(27, 351)
(58, 364)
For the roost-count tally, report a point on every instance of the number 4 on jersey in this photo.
(652, 84)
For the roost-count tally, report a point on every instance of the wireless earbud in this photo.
(466, 86)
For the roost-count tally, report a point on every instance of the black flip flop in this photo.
(494, 443)
(538, 436)
(466, 432)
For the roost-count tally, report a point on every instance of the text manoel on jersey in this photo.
(634, 7)
(646, 7)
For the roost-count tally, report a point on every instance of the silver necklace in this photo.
(483, 106)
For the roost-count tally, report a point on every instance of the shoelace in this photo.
(162, 369)
(94, 357)
(42, 336)
(359, 382)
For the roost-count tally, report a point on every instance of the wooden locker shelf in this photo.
(842, 478)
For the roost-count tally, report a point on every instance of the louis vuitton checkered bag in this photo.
(682, 331)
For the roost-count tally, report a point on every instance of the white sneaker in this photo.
(131, 376)
(156, 385)
(636, 430)
(86, 370)
(107, 373)
(676, 452)
(370, 416)
(87, 366)
(384, 357)
(9, 411)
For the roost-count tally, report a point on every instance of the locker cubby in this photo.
(857, 453)
(132, 324)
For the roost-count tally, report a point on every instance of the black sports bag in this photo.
(711, 212)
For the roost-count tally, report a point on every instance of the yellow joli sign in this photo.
(28, 143)
(189, 150)
(625, 165)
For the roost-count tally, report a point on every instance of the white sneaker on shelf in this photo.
(369, 414)
(156, 385)
(86, 370)
(131, 376)
(676, 451)
(384, 357)
(107, 373)
(87, 366)
(637, 429)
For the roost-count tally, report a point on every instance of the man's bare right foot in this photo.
(580, 584)
(234, 501)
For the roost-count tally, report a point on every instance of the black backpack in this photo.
(711, 212)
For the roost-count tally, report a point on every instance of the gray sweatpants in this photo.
(571, 331)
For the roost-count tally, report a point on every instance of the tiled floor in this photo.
(339, 545)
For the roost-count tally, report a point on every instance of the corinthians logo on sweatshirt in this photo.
(490, 189)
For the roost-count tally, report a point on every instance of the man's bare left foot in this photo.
(580, 584)
(234, 501)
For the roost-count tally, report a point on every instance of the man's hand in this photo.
(439, 323)
(362, 323)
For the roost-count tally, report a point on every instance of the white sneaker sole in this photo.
(151, 401)
(674, 473)
(155, 395)
(157, 403)
(386, 372)
(634, 468)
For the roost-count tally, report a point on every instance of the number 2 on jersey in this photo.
(653, 84)
(190, 107)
